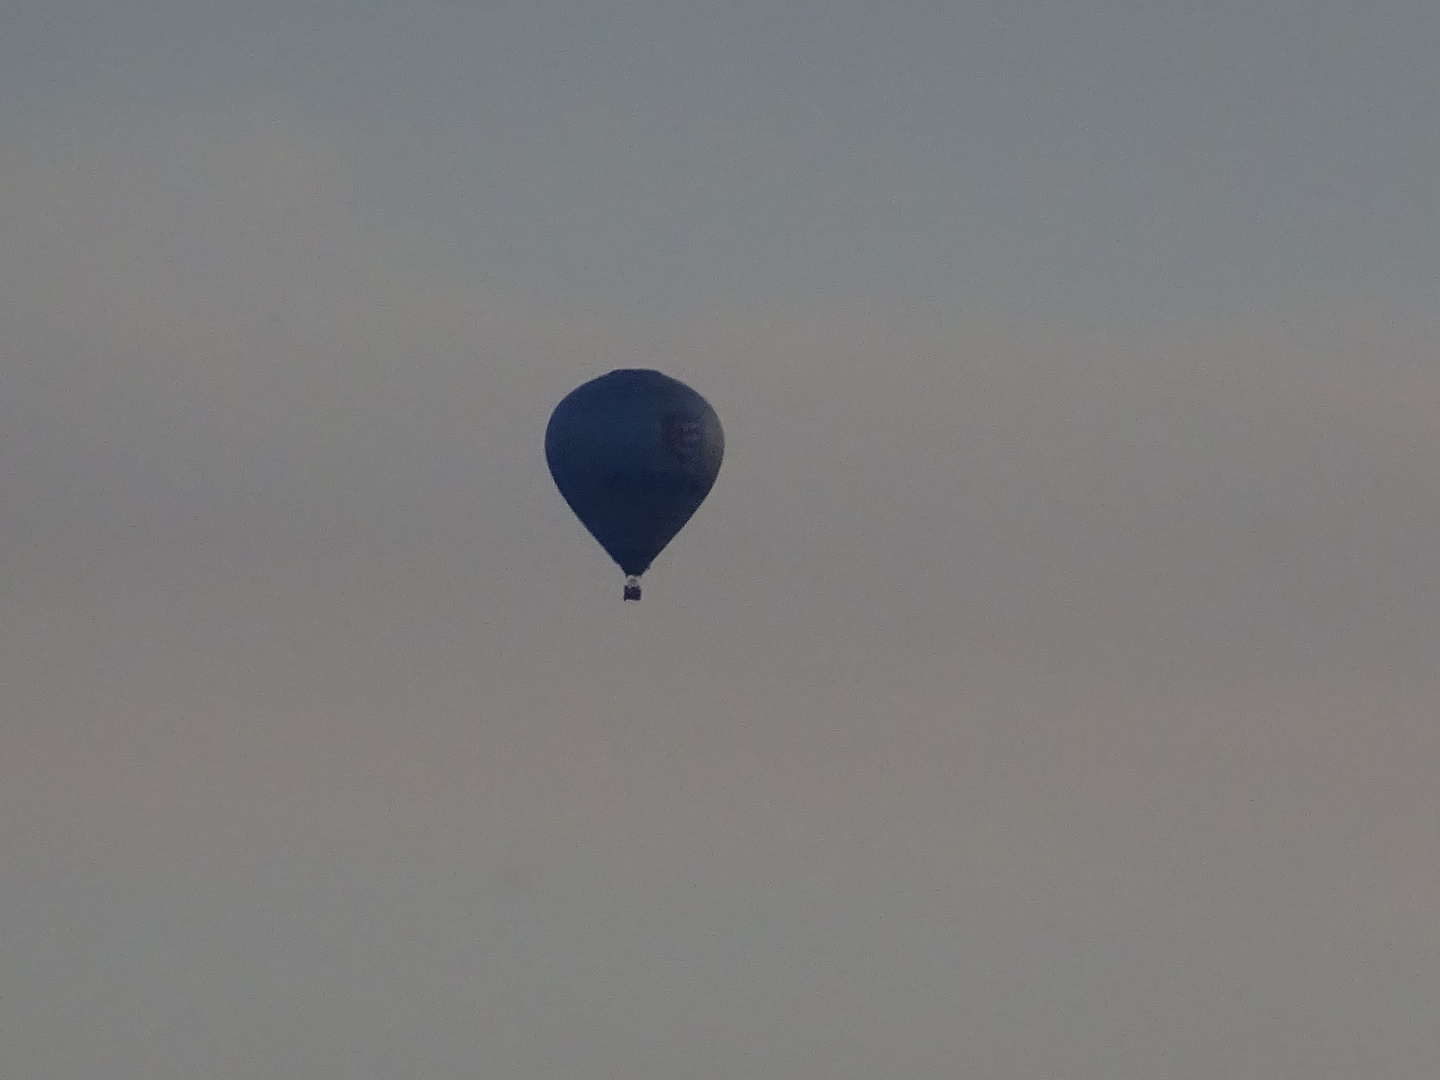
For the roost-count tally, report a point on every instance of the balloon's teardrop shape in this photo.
(634, 453)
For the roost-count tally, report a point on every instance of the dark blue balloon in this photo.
(634, 453)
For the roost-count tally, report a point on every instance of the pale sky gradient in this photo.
(1049, 686)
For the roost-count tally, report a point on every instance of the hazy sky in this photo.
(1049, 687)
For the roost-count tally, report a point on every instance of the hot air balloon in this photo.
(634, 453)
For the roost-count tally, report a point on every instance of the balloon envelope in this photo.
(634, 453)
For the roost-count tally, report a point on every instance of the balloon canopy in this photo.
(634, 453)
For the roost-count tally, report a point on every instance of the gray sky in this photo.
(1048, 687)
